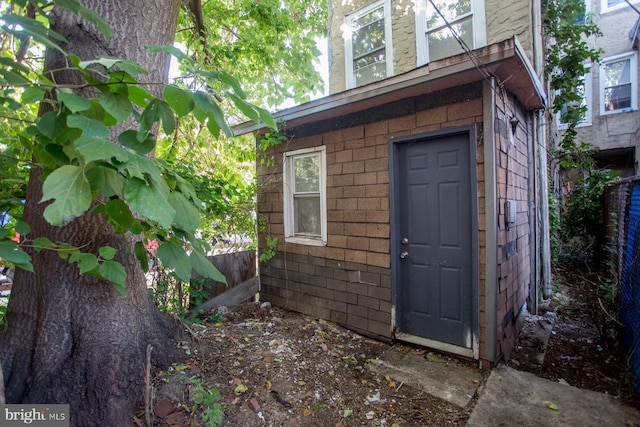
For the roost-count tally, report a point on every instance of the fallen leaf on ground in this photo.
(551, 405)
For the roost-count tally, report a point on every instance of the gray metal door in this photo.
(434, 225)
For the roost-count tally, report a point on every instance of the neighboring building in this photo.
(410, 203)
(612, 123)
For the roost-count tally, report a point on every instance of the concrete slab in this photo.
(451, 380)
(517, 398)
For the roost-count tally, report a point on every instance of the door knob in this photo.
(404, 254)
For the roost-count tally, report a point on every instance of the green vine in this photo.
(567, 52)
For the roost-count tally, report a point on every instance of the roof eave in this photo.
(505, 60)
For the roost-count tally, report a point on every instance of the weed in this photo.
(207, 401)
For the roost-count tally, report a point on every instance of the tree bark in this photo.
(72, 338)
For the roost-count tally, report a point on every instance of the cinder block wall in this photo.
(349, 280)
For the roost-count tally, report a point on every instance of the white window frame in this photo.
(604, 8)
(348, 46)
(632, 56)
(288, 180)
(478, 21)
(587, 120)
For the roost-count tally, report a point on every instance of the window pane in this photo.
(307, 215)
(369, 38)
(617, 97)
(611, 3)
(307, 170)
(443, 44)
(371, 73)
(451, 9)
(617, 90)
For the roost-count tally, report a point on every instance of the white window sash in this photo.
(604, 7)
(288, 180)
(633, 81)
(479, 25)
(348, 46)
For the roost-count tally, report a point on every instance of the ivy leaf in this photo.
(233, 82)
(246, 108)
(73, 102)
(116, 104)
(107, 252)
(47, 124)
(86, 262)
(115, 273)
(106, 180)
(180, 100)
(41, 243)
(174, 257)
(129, 139)
(32, 94)
(141, 254)
(22, 227)
(97, 149)
(90, 127)
(119, 213)
(205, 267)
(72, 193)
(148, 200)
(187, 216)
(171, 50)
(212, 110)
(11, 252)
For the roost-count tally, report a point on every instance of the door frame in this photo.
(394, 142)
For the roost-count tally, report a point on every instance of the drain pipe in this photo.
(491, 219)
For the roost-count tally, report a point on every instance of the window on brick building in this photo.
(368, 45)
(439, 37)
(304, 180)
(584, 90)
(618, 85)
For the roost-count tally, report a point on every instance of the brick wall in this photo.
(514, 256)
(349, 280)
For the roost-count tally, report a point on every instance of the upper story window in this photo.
(304, 179)
(441, 30)
(368, 45)
(618, 84)
(584, 90)
(611, 5)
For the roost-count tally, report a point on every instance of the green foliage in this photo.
(566, 53)
(583, 221)
(207, 401)
(3, 313)
(269, 251)
(85, 173)
(270, 45)
(554, 226)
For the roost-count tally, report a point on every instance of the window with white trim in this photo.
(618, 84)
(441, 29)
(304, 179)
(368, 45)
(611, 5)
(586, 95)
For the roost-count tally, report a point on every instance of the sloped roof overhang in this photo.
(506, 61)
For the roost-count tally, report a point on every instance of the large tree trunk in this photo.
(71, 338)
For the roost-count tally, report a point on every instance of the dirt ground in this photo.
(583, 350)
(278, 368)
